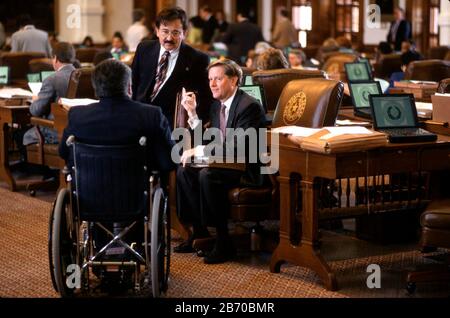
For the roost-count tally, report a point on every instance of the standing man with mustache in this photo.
(162, 68)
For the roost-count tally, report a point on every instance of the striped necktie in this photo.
(161, 74)
(223, 121)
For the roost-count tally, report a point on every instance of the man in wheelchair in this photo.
(111, 149)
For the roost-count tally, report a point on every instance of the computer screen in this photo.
(4, 75)
(34, 78)
(366, 60)
(256, 91)
(45, 74)
(248, 80)
(360, 93)
(394, 111)
(357, 72)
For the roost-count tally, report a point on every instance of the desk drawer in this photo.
(394, 161)
(435, 159)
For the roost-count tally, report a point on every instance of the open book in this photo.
(67, 102)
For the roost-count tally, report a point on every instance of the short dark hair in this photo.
(409, 57)
(231, 68)
(172, 14)
(25, 19)
(206, 8)
(284, 13)
(138, 14)
(111, 78)
(64, 52)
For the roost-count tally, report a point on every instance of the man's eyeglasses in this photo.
(174, 33)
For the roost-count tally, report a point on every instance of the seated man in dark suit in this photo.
(117, 119)
(202, 194)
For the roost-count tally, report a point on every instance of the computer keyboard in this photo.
(406, 131)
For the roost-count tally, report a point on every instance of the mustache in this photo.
(169, 42)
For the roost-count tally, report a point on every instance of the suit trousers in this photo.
(202, 195)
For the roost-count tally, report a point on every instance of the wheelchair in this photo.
(95, 241)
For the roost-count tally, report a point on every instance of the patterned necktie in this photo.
(223, 122)
(161, 74)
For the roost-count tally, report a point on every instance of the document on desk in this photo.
(35, 88)
(295, 131)
(424, 110)
(67, 102)
(9, 92)
(343, 139)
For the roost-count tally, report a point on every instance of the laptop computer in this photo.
(34, 77)
(357, 71)
(360, 91)
(396, 116)
(257, 92)
(248, 80)
(4, 75)
(45, 74)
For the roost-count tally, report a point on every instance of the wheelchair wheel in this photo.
(160, 247)
(62, 251)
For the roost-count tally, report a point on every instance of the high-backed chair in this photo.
(80, 84)
(273, 82)
(388, 64)
(40, 65)
(438, 52)
(311, 103)
(444, 86)
(86, 55)
(435, 222)
(334, 65)
(18, 63)
(428, 70)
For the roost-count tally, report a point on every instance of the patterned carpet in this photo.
(24, 265)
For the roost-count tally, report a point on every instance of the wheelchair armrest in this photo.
(38, 121)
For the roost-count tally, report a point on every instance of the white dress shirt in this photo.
(172, 62)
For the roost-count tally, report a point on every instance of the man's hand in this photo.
(189, 102)
(187, 155)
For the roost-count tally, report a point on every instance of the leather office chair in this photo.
(40, 65)
(311, 103)
(435, 222)
(273, 82)
(18, 63)
(47, 154)
(438, 52)
(388, 64)
(86, 55)
(428, 70)
(80, 84)
(444, 86)
(334, 65)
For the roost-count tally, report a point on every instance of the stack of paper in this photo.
(67, 102)
(9, 92)
(35, 87)
(343, 139)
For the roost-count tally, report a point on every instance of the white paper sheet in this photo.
(35, 88)
(296, 131)
(8, 92)
(77, 101)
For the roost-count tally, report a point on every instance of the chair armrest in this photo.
(38, 121)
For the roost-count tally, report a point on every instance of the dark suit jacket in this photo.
(241, 38)
(403, 34)
(245, 112)
(209, 29)
(119, 120)
(189, 72)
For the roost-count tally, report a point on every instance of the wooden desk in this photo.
(392, 159)
(10, 115)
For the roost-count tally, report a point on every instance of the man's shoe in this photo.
(218, 256)
(184, 247)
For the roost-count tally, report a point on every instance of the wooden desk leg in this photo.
(5, 173)
(175, 223)
(305, 254)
